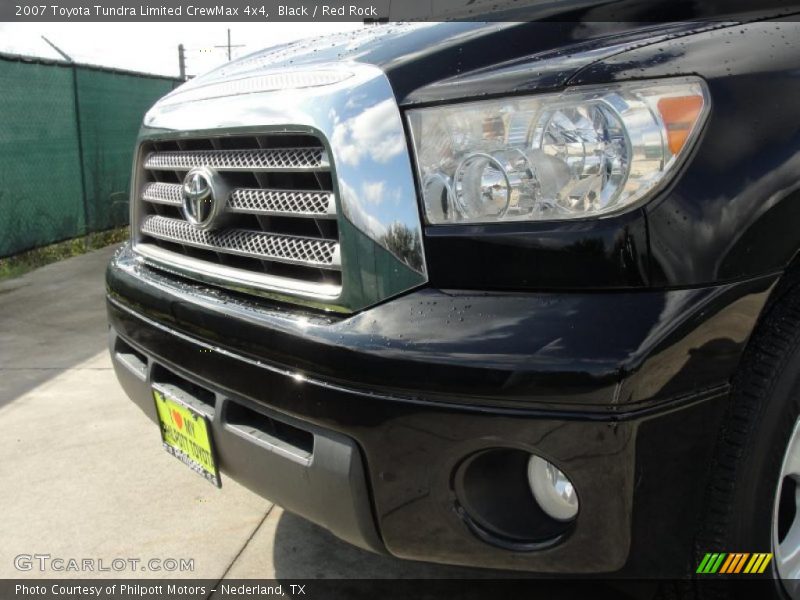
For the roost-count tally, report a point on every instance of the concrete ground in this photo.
(83, 473)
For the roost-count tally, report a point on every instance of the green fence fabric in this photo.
(41, 199)
(111, 109)
(65, 167)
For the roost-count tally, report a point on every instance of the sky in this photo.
(153, 47)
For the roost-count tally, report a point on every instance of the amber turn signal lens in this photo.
(679, 113)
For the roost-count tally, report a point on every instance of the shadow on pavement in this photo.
(51, 319)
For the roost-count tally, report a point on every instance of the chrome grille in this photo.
(278, 229)
(281, 159)
(256, 244)
(256, 201)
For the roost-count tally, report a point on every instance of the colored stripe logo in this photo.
(734, 563)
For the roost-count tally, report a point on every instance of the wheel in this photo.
(754, 494)
(786, 517)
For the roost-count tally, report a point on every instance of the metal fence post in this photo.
(76, 97)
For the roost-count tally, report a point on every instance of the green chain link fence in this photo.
(67, 134)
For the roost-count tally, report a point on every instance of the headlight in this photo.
(577, 154)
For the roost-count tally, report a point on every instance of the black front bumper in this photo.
(362, 423)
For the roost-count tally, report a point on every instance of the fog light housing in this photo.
(552, 490)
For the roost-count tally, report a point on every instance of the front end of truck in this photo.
(444, 319)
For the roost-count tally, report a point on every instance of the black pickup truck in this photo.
(511, 295)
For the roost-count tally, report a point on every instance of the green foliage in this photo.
(14, 266)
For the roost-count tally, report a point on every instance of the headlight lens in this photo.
(577, 154)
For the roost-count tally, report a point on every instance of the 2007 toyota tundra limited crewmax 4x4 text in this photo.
(517, 296)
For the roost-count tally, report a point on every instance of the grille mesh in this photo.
(278, 224)
(253, 200)
(280, 202)
(163, 193)
(260, 245)
(276, 159)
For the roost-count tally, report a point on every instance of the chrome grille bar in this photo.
(163, 193)
(273, 159)
(282, 202)
(235, 277)
(288, 203)
(320, 253)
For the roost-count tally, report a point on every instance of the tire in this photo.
(744, 478)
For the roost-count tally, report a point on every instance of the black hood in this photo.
(417, 55)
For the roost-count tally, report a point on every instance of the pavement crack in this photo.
(213, 588)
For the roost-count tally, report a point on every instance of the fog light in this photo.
(552, 489)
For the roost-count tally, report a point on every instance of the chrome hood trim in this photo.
(273, 81)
